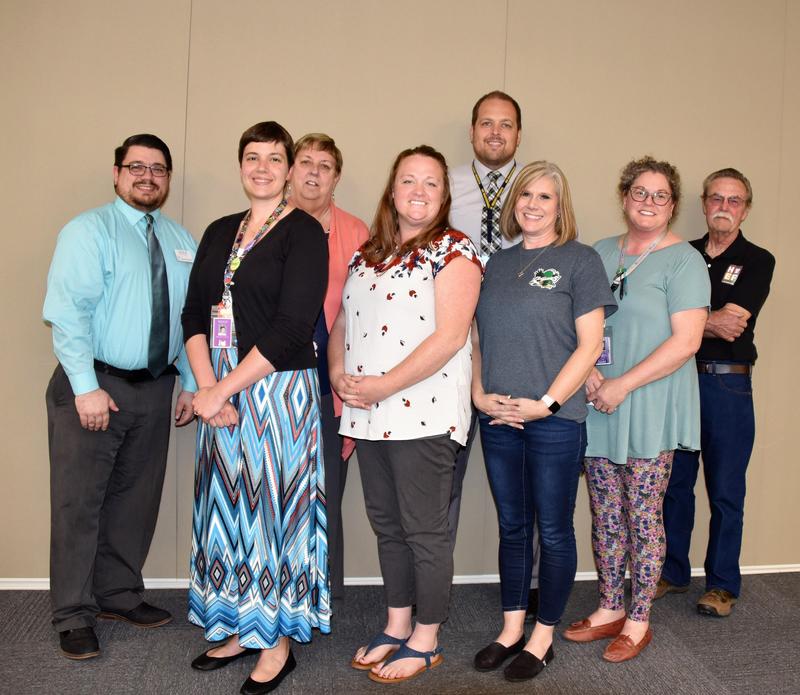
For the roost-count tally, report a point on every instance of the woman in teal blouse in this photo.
(646, 403)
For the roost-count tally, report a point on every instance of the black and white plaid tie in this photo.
(490, 218)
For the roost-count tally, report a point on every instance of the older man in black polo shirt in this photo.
(740, 273)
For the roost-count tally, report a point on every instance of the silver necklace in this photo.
(532, 261)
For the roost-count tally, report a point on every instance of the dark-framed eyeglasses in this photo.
(138, 169)
(640, 194)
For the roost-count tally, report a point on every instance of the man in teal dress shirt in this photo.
(115, 292)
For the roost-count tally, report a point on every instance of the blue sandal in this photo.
(432, 660)
(378, 641)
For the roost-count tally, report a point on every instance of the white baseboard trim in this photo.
(43, 583)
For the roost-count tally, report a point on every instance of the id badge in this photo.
(223, 331)
(605, 356)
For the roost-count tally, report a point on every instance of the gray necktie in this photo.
(490, 219)
(158, 347)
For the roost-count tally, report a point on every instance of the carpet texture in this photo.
(756, 650)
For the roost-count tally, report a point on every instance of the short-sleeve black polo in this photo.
(741, 275)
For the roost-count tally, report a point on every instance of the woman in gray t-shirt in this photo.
(540, 325)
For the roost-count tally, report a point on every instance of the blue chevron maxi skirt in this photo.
(259, 546)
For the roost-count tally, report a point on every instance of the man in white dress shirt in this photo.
(478, 190)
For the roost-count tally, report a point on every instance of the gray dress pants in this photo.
(407, 487)
(105, 490)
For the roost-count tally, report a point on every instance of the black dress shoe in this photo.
(489, 658)
(80, 643)
(527, 666)
(251, 687)
(204, 662)
(533, 606)
(144, 615)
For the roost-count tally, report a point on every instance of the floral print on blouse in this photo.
(389, 310)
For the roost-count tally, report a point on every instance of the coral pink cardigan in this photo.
(346, 234)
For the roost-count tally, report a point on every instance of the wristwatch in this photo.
(552, 404)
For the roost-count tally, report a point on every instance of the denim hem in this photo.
(507, 609)
(548, 623)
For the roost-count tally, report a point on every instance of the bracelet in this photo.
(552, 404)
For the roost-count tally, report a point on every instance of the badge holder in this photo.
(223, 329)
(606, 357)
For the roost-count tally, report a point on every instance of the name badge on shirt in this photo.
(223, 331)
(732, 274)
(184, 255)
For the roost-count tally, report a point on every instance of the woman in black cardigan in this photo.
(259, 550)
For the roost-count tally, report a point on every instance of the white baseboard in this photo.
(43, 583)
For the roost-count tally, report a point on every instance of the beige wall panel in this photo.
(74, 84)
(772, 515)
(377, 80)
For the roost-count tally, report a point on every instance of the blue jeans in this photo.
(727, 434)
(534, 473)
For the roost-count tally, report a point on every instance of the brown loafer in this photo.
(623, 648)
(717, 602)
(584, 631)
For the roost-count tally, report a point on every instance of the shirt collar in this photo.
(483, 170)
(735, 248)
(133, 215)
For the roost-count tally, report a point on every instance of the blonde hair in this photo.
(566, 227)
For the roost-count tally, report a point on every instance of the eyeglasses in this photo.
(639, 194)
(138, 169)
(734, 201)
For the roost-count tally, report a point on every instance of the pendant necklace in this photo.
(532, 261)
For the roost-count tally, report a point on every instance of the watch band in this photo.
(552, 404)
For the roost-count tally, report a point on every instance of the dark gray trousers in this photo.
(455, 499)
(105, 490)
(407, 486)
(335, 479)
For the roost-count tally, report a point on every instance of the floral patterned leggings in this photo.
(627, 521)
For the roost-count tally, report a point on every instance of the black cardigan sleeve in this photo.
(302, 292)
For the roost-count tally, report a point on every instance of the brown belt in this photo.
(724, 368)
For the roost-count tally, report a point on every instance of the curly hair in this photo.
(637, 167)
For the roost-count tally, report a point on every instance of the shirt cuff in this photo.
(83, 382)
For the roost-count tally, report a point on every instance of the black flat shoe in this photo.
(80, 643)
(251, 687)
(527, 666)
(489, 658)
(204, 662)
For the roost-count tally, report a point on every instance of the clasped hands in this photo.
(359, 391)
(213, 408)
(505, 410)
(604, 394)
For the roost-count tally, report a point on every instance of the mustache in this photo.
(724, 216)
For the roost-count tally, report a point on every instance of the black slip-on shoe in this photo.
(80, 643)
(144, 615)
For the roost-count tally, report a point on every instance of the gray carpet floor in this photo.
(756, 650)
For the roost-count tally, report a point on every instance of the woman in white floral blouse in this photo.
(400, 358)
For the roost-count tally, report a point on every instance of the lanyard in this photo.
(491, 203)
(622, 272)
(238, 253)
